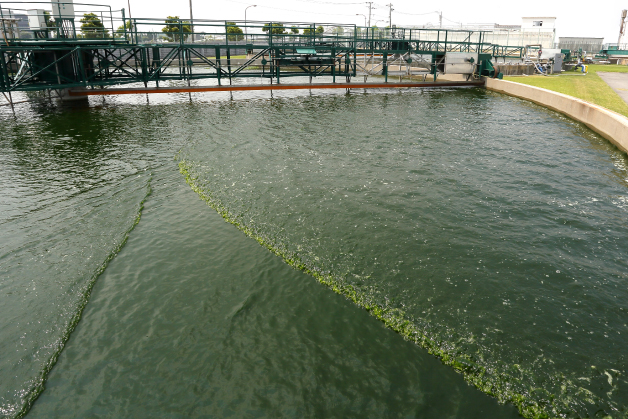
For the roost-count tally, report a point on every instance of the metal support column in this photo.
(10, 100)
(218, 69)
(277, 66)
(188, 64)
(333, 66)
(82, 76)
(228, 52)
(145, 66)
(385, 65)
(229, 63)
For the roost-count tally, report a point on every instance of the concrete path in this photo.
(618, 82)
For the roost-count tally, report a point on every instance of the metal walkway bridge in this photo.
(96, 47)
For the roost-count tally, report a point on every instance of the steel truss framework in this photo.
(67, 60)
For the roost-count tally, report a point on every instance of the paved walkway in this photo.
(618, 82)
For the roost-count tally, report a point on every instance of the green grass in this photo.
(589, 87)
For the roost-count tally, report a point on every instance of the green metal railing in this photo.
(101, 47)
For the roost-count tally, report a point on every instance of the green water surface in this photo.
(488, 232)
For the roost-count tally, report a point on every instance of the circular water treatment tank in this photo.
(433, 212)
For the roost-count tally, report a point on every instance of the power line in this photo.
(330, 2)
(440, 16)
(453, 21)
(417, 14)
(304, 11)
(292, 10)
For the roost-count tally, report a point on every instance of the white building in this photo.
(532, 31)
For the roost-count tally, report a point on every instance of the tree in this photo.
(338, 30)
(294, 30)
(309, 31)
(278, 28)
(175, 28)
(50, 22)
(235, 33)
(120, 30)
(92, 27)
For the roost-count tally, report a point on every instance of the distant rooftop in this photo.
(578, 37)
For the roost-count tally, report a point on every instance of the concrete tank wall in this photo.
(514, 69)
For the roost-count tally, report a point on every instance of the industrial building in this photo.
(531, 31)
(588, 45)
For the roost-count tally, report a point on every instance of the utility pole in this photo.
(191, 21)
(440, 19)
(390, 9)
(370, 3)
(622, 26)
(130, 22)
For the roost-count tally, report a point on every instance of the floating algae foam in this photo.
(487, 230)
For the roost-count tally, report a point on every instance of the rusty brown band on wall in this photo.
(193, 89)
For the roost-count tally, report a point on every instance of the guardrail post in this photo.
(4, 77)
(333, 66)
(144, 66)
(228, 51)
(218, 69)
(82, 75)
(277, 66)
(385, 66)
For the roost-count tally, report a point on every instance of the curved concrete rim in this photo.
(609, 124)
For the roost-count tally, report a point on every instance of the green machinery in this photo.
(104, 47)
(614, 51)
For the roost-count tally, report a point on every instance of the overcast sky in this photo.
(599, 18)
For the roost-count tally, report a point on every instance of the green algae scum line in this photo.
(84, 294)
(394, 318)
